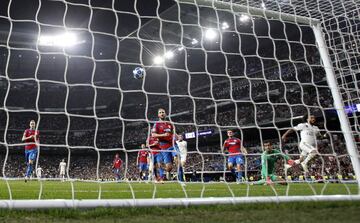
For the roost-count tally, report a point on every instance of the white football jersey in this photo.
(308, 133)
(182, 146)
(62, 166)
(38, 171)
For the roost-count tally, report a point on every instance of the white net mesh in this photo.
(250, 66)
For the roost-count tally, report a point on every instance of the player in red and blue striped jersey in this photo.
(164, 131)
(236, 151)
(143, 162)
(153, 144)
(31, 138)
(116, 167)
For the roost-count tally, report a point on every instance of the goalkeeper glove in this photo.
(291, 162)
(268, 181)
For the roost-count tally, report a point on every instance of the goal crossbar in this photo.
(252, 11)
(315, 24)
(166, 202)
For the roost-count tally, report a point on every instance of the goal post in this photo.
(338, 103)
(330, 74)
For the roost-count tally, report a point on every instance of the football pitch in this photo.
(345, 211)
(123, 190)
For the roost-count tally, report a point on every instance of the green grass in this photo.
(92, 190)
(284, 212)
(322, 212)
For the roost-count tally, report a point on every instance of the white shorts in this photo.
(183, 157)
(306, 148)
(62, 173)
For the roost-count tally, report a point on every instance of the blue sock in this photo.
(28, 170)
(181, 174)
(161, 172)
(239, 175)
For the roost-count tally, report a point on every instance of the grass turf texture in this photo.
(284, 212)
(92, 190)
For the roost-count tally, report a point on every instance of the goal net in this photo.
(254, 68)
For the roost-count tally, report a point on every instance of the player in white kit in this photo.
(182, 145)
(39, 171)
(308, 145)
(180, 157)
(62, 168)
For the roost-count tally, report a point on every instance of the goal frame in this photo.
(315, 24)
(168, 202)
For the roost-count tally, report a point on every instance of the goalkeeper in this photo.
(268, 160)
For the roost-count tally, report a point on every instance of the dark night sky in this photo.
(113, 52)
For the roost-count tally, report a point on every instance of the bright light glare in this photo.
(263, 5)
(67, 39)
(180, 48)
(244, 18)
(169, 55)
(158, 60)
(224, 25)
(194, 41)
(210, 34)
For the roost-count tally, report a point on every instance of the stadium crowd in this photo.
(92, 165)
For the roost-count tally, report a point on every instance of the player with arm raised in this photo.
(236, 151)
(31, 138)
(62, 168)
(268, 161)
(164, 131)
(182, 144)
(307, 145)
(142, 162)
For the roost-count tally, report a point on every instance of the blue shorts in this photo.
(143, 166)
(30, 155)
(236, 160)
(116, 171)
(157, 158)
(168, 155)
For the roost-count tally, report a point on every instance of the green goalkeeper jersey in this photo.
(268, 161)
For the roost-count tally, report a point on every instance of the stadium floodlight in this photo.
(224, 25)
(169, 55)
(180, 48)
(263, 5)
(67, 39)
(244, 18)
(158, 60)
(194, 41)
(210, 34)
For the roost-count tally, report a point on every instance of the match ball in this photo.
(138, 73)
